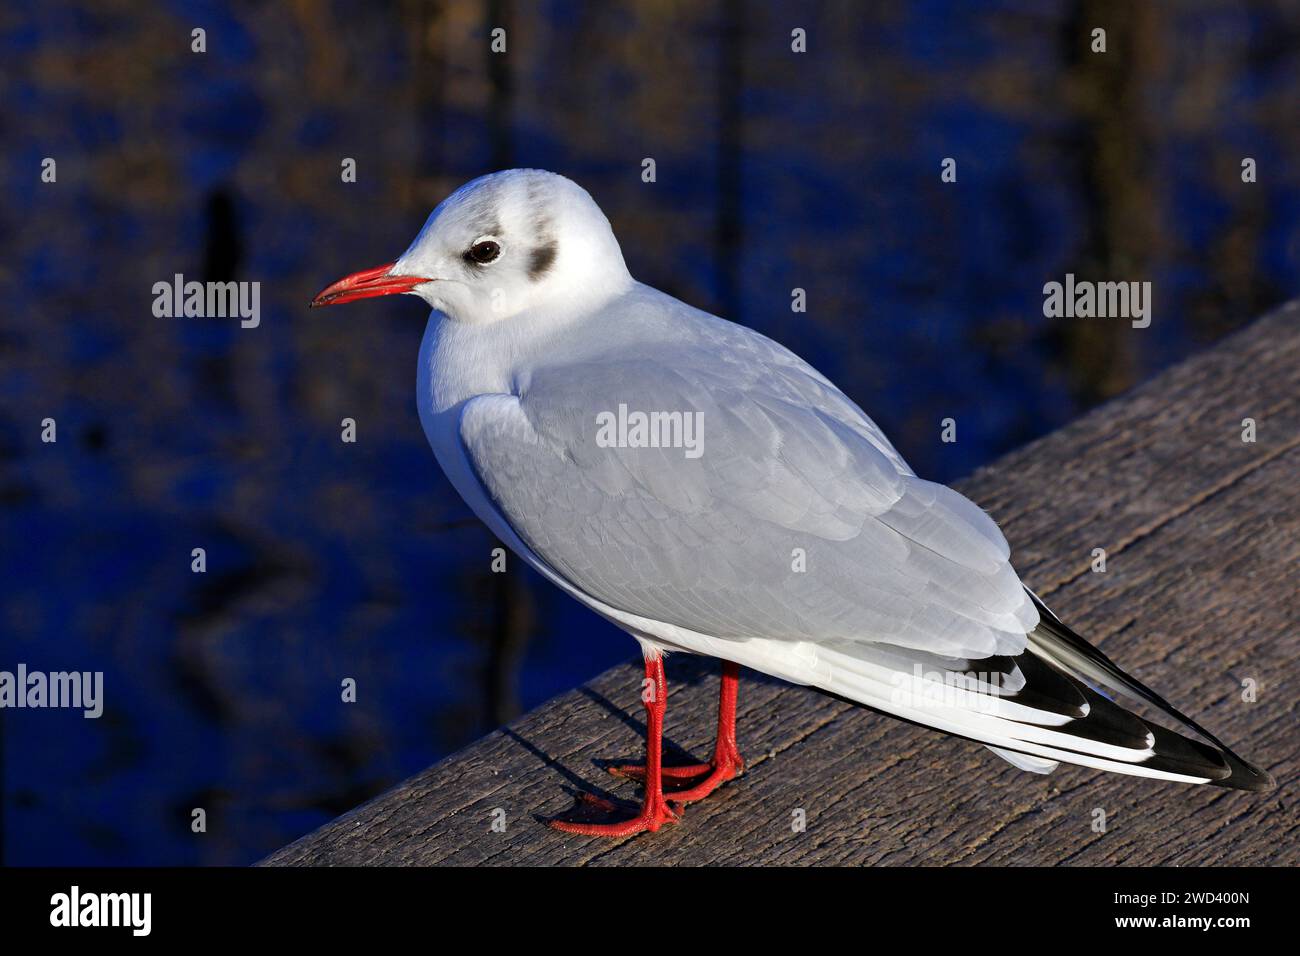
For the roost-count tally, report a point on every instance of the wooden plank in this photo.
(1202, 535)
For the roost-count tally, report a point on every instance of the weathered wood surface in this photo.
(1202, 535)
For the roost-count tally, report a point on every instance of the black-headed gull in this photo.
(708, 491)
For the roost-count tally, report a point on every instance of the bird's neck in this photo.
(459, 361)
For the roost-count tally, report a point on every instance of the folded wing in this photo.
(791, 518)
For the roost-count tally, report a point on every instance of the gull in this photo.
(709, 492)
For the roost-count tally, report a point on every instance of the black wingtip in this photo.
(1245, 776)
(1241, 775)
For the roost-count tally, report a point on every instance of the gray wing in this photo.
(796, 521)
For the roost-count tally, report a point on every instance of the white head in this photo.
(501, 245)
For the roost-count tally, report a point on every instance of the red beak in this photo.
(367, 284)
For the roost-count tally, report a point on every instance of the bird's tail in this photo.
(1056, 702)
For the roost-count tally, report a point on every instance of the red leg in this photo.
(726, 763)
(655, 811)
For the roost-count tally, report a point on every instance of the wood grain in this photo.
(1202, 536)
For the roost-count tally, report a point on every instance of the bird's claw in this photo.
(654, 813)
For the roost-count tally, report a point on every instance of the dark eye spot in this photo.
(483, 251)
(541, 260)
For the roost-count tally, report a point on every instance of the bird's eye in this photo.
(483, 251)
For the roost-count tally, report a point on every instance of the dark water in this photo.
(775, 170)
